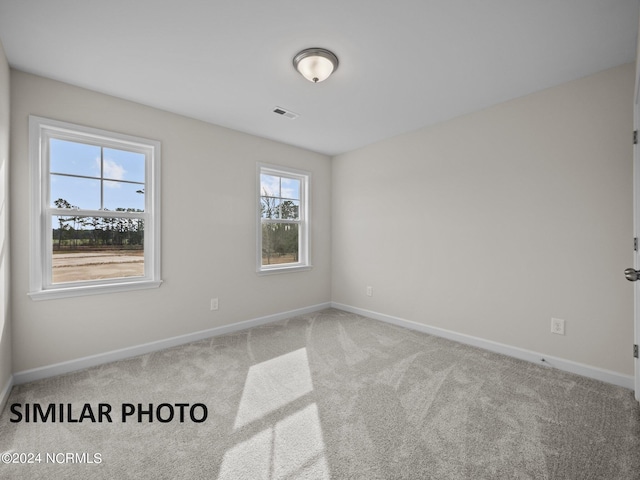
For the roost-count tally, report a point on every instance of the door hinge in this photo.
(635, 351)
(635, 137)
(635, 244)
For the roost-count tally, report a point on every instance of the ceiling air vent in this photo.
(286, 113)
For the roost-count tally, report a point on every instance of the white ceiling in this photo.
(404, 64)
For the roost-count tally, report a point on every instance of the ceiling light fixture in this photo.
(315, 64)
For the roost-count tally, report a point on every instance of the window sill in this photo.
(292, 269)
(83, 290)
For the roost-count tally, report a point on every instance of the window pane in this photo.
(74, 158)
(119, 195)
(290, 209)
(290, 188)
(269, 185)
(279, 243)
(123, 165)
(67, 192)
(270, 207)
(92, 248)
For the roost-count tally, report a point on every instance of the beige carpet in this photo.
(329, 395)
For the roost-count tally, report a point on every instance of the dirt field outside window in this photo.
(77, 266)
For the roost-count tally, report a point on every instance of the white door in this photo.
(636, 221)
(634, 273)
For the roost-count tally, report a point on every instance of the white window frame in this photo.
(304, 239)
(41, 130)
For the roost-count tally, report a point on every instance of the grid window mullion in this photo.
(101, 178)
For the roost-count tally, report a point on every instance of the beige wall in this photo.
(492, 223)
(5, 312)
(208, 183)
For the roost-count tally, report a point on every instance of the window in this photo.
(283, 219)
(95, 210)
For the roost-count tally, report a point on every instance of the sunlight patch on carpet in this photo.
(292, 445)
(273, 384)
(292, 448)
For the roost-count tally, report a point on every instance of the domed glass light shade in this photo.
(315, 64)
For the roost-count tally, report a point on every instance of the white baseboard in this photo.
(626, 381)
(115, 355)
(4, 393)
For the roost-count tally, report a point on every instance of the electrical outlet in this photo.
(369, 291)
(557, 326)
(214, 304)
